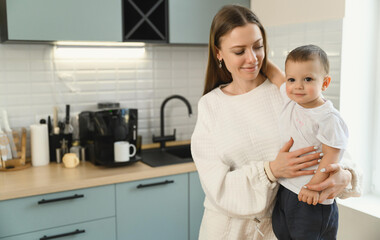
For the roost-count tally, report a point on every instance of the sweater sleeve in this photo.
(354, 189)
(243, 192)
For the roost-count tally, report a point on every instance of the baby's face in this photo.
(304, 80)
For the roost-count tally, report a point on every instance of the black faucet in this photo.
(162, 139)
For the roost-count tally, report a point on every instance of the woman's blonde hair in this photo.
(228, 18)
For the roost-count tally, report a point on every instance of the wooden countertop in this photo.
(56, 178)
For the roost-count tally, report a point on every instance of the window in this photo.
(376, 143)
(360, 86)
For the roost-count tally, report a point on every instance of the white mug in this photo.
(122, 151)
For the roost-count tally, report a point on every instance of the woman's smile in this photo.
(251, 69)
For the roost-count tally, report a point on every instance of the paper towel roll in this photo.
(39, 140)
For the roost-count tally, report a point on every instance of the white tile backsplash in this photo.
(131, 65)
(33, 78)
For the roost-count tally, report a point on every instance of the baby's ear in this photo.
(326, 82)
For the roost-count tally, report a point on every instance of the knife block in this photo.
(55, 142)
(19, 162)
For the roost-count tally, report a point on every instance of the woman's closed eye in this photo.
(240, 52)
(255, 48)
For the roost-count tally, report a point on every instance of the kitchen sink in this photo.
(182, 151)
(156, 157)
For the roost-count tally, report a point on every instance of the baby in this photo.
(310, 120)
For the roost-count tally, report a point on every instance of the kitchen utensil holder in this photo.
(55, 142)
(19, 162)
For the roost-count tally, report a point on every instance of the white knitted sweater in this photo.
(233, 137)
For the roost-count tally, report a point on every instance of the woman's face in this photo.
(242, 51)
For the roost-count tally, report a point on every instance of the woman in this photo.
(236, 139)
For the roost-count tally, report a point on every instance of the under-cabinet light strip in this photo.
(69, 52)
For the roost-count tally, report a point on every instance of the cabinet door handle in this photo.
(63, 234)
(43, 201)
(155, 184)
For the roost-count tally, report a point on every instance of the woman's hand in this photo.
(290, 164)
(333, 185)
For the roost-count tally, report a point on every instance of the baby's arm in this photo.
(274, 74)
(330, 155)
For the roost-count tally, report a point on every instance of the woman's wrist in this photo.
(353, 187)
(269, 172)
(274, 73)
(349, 176)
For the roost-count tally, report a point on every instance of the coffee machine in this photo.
(99, 130)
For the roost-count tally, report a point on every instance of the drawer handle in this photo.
(63, 234)
(155, 184)
(43, 201)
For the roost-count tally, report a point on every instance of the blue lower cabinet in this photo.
(103, 229)
(23, 215)
(153, 209)
(196, 207)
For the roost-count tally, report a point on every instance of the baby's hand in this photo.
(308, 196)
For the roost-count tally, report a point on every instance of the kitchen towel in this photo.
(39, 140)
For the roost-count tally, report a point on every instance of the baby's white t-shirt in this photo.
(310, 127)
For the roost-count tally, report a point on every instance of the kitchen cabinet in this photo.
(179, 21)
(190, 21)
(61, 20)
(154, 208)
(37, 213)
(168, 207)
(196, 207)
(93, 230)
